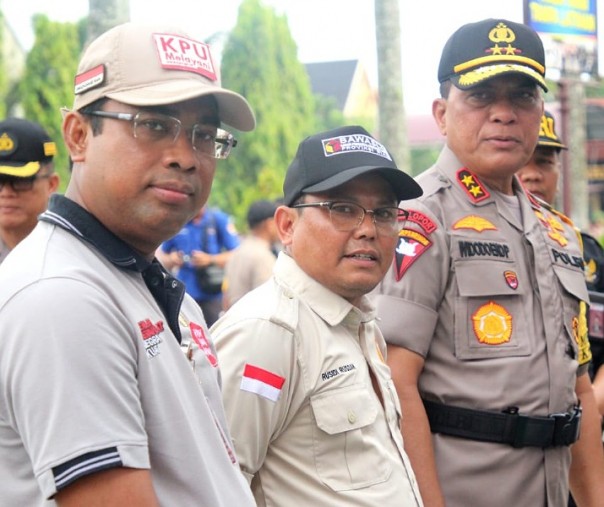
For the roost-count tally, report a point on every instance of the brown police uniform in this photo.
(492, 303)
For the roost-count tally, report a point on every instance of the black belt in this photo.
(507, 427)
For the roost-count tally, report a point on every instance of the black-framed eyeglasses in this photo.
(153, 128)
(347, 216)
(21, 184)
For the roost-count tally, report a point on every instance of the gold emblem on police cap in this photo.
(502, 34)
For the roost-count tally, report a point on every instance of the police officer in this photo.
(482, 306)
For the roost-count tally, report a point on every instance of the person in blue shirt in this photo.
(198, 254)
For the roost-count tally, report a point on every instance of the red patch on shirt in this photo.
(411, 244)
(199, 336)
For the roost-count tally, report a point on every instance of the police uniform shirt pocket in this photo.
(489, 311)
(348, 452)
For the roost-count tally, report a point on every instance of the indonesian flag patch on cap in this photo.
(261, 382)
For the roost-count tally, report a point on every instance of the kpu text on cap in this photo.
(23, 146)
(143, 65)
(547, 133)
(329, 159)
(489, 48)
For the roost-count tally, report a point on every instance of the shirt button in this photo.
(352, 417)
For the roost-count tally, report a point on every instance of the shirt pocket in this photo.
(348, 452)
(490, 318)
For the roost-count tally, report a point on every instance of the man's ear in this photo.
(285, 220)
(75, 133)
(439, 108)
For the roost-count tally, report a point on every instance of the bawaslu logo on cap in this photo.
(486, 49)
(330, 159)
(351, 143)
(547, 133)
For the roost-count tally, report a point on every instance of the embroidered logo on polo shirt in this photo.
(151, 336)
(200, 338)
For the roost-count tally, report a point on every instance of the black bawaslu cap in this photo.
(489, 48)
(330, 159)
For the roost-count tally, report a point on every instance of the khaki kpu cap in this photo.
(147, 65)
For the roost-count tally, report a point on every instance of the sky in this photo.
(324, 30)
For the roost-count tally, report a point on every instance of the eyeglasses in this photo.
(153, 128)
(347, 216)
(20, 184)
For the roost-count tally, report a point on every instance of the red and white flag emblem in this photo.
(261, 382)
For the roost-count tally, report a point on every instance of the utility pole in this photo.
(575, 194)
(392, 120)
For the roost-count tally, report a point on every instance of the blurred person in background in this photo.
(252, 262)
(27, 179)
(198, 254)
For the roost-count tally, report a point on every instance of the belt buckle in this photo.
(567, 426)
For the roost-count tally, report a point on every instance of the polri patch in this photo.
(199, 336)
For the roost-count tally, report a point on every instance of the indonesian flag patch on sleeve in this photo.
(261, 382)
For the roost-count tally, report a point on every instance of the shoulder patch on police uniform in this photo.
(492, 324)
(426, 223)
(474, 222)
(411, 245)
(474, 189)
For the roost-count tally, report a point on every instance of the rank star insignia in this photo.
(472, 186)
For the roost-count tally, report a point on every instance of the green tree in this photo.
(260, 62)
(47, 84)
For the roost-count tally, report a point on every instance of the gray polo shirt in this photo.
(93, 376)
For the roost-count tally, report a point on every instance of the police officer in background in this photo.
(27, 179)
(540, 177)
(482, 306)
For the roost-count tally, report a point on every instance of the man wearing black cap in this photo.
(482, 307)
(27, 179)
(251, 264)
(308, 396)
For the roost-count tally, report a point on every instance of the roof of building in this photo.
(332, 79)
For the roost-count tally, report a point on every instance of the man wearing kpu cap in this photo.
(308, 396)
(482, 308)
(27, 179)
(110, 383)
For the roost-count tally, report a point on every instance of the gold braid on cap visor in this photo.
(477, 75)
